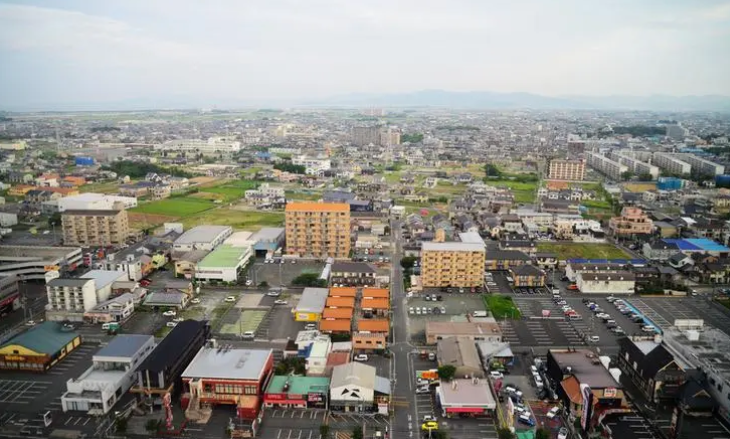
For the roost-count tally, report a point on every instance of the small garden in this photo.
(501, 307)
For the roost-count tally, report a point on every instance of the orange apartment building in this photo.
(343, 292)
(633, 221)
(318, 230)
(574, 170)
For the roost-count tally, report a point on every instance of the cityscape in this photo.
(305, 253)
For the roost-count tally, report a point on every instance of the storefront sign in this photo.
(17, 358)
(275, 396)
(609, 392)
(585, 420)
(315, 397)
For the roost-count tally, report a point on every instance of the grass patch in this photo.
(304, 196)
(175, 207)
(238, 219)
(249, 320)
(231, 190)
(523, 192)
(597, 204)
(585, 250)
(107, 187)
(501, 307)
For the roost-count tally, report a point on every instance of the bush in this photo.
(447, 372)
(120, 425)
(309, 280)
(152, 425)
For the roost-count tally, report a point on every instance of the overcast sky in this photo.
(209, 50)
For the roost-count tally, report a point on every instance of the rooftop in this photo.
(383, 293)
(102, 278)
(298, 385)
(225, 256)
(352, 267)
(33, 253)
(466, 393)
(698, 244)
(45, 338)
(168, 350)
(471, 237)
(67, 282)
(268, 234)
(124, 345)
(226, 363)
(452, 247)
(312, 300)
(353, 373)
(343, 292)
(202, 234)
(91, 212)
(317, 207)
(586, 367)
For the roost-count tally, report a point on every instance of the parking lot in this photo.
(496, 282)
(277, 274)
(456, 307)
(663, 311)
(291, 423)
(534, 330)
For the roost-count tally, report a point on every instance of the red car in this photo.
(145, 282)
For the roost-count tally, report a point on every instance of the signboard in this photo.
(315, 397)
(587, 393)
(610, 392)
(51, 268)
(276, 396)
(17, 358)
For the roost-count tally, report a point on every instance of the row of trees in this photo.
(290, 167)
(411, 138)
(139, 170)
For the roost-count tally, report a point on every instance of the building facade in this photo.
(95, 227)
(567, 170)
(610, 168)
(452, 264)
(319, 230)
(633, 221)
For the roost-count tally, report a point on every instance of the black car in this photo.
(439, 298)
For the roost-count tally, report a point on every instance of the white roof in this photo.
(202, 234)
(471, 237)
(222, 363)
(313, 300)
(240, 239)
(103, 278)
(452, 246)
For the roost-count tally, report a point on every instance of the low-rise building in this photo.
(476, 331)
(116, 309)
(614, 282)
(311, 305)
(224, 263)
(460, 352)
(70, 298)
(471, 397)
(110, 376)
(632, 221)
(201, 238)
(505, 259)
(297, 392)
(651, 368)
(528, 276)
(352, 274)
(355, 387)
(39, 348)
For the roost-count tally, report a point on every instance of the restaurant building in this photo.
(297, 392)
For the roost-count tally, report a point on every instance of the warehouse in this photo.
(223, 264)
(39, 348)
(311, 305)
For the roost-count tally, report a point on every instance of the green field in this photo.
(301, 195)
(575, 250)
(176, 207)
(523, 192)
(596, 204)
(501, 307)
(238, 219)
(108, 187)
(231, 190)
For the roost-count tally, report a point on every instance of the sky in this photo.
(212, 52)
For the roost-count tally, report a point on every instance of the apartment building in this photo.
(452, 264)
(632, 221)
(701, 166)
(319, 230)
(610, 168)
(671, 164)
(567, 170)
(212, 146)
(95, 227)
(312, 165)
(362, 136)
(70, 298)
(635, 165)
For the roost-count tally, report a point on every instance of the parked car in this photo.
(249, 283)
(553, 412)
(495, 374)
(310, 326)
(423, 389)
(527, 420)
(562, 433)
(171, 324)
(361, 357)
(248, 335)
(231, 299)
(195, 301)
(274, 293)
(169, 313)
(594, 338)
(280, 302)
(410, 310)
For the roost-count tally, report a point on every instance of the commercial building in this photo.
(651, 368)
(110, 375)
(632, 221)
(319, 230)
(9, 293)
(160, 374)
(671, 164)
(268, 239)
(201, 238)
(32, 263)
(574, 170)
(452, 264)
(70, 298)
(225, 375)
(39, 348)
(224, 263)
(311, 305)
(471, 397)
(460, 352)
(355, 387)
(88, 201)
(95, 227)
(297, 392)
(475, 331)
(610, 168)
(213, 146)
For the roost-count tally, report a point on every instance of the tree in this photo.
(542, 433)
(626, 175)
(324, 431)
(408, 262)
(290, 167)
(505, 433)
(447, 372)
(309, 280)
(645, 176)
(357, 432)
(54, 220)
(411, 138)
(492, 171)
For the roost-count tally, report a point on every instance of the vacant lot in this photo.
(143, 221)
(175, 207)
(303, 195)
(501, 307)
(238, 219)
(523, 192)
(575, 250)
(230, 190)
(248, 321)
(109, 187)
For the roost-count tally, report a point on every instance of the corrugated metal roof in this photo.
(45, 338)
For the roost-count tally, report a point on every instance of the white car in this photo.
(361, 357)
(410, 310)
(231, 299)
(249, 283)
(563, 433)
(497, 375)
(274, 293)
(293, 261)
(310, 326)
(594, 339)
(30, 323)
(555, 411)
(169, 313)
(195, 301)
(429, 418)
(423, 389)
(177, 320)
(280, 302)
(171, 324)
(421, 382)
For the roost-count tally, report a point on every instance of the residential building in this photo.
(504, 260)
(528, 276)
(610, 168)
(452, 264)
(369, 342)
(95, 227)
(659, 250)
(70, 298)
(142, 258)
(476, 331)
(160, 374)
(633, 221)
(186, 263)
(363, 136)
(32, 262)
(226, 375)
(701, 166)
(312, 166)
(213, 146)
(297, 392)
(311, 305)
(352, 274)
(116, 309)
(635, 165)
(573, 170)
(201, 238)
(460, 352)
(651, 368)
(39, 348)
(673, 165)
(616, 282)
(110, 376)
(318, 230)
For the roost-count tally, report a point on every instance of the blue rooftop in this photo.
(698, 244)
(124, 345)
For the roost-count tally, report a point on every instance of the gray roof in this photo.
(353, 373)
(164, 299)
(103, 278)
(268, 234)
(201, 234)
(66, 282)
(585, 368)
(222, 363)
(352, 267)
(382, 385)
(471, 237)
(459, 352)
(452, 246)
(313, 300)
(608, 276)
(124, 345)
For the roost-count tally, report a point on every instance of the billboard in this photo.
(587, 393)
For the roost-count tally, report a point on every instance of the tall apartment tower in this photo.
(362, 136)
(453, 264)
(574, 170)
(95, 227)
(318, 230)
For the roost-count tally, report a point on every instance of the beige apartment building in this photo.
(633, 221)
(452, 264)
(95, 227)
(318, 230)
(574, 170)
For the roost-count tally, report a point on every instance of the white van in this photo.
(648, 328)
(538, 382)
(480, 313)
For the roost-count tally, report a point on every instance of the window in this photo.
(250, 390)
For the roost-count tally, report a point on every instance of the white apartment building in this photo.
(615, 282)
(312, 165)
(671, 164)
(700, 165)
(110, 376)
(70, 298)
(88, 201)
(212, 146)
(610, 168)
(635, 165)
(316, 363)
(573, 170)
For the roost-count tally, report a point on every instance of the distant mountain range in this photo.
(492, 100)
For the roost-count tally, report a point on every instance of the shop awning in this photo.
(465, 410)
